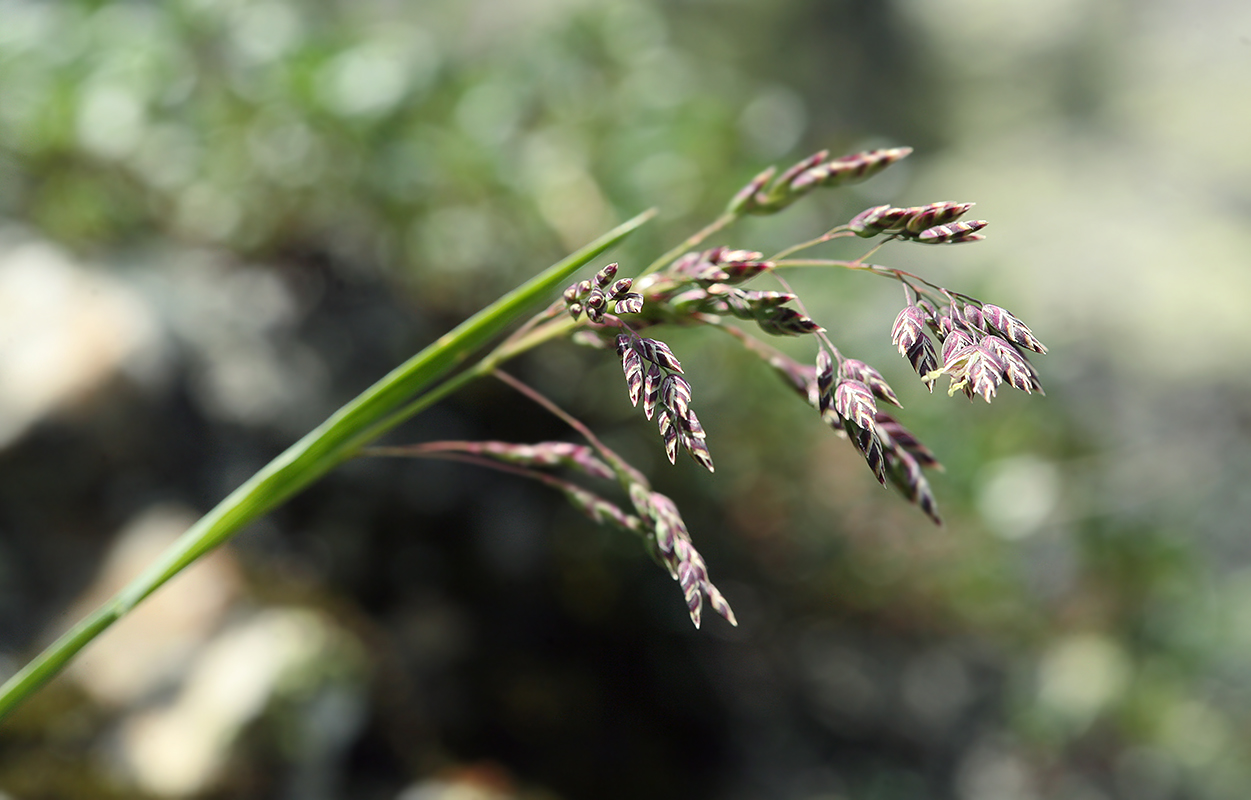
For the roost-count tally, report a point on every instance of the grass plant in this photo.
(981, 347)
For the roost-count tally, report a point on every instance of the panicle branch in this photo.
(979, 346)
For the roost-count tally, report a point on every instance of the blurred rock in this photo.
(65, 330)
(181, 747)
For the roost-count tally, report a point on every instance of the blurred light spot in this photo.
(26, 24)
(64, 330)
(1081, 675)
(1195, 734)
(1145, 773)
(936, 686)
(455, 239)
(237, 321)
(568, 197)
(489, 112)
(363, 81)
(1018, 495)
(840, 680)
(264, 31)
(205, 212)
(286, 150)
(632, 30)
(372, 78)
(991, 772)
(169, 156)
(670, 181)
(475, 782)
(1012, 28)
(774, 122)
(110, 120)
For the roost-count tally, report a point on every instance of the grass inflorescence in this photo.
(980, 347)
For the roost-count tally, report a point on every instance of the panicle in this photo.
(924, 360)
(605, 275)
(954, 343)
(930, 224)
(854, 168)
(878, 219)
(870, 446)
(653, 374)
(599, 510)
(678, 554)
(745, 199)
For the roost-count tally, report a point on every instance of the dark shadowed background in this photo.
(221, 219)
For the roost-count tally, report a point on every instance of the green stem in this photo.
(368, 416)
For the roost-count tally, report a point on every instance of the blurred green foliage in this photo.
(441, 140)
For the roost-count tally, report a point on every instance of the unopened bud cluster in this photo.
(981, 347)
(593, 296)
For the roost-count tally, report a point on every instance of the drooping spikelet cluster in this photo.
(653, 375)
(675, 550)
(847, 399)
(982, 347)
(660, 524)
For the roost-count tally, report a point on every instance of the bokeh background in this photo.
(221, 219)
